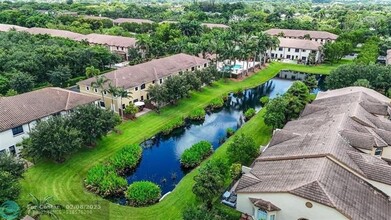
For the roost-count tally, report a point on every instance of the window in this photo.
(379, 151)
(304, 58)
(117, 48)
(95, 90)
(102, 104)
(142, 86)
(304, 50)
(105, 92)
(136, 100)
(313, 51)
(272, 217)
(288, 56)
(123, 106)
(205, 65)
(142, 98)
(280, 49)
(193, 68)
(122, 48)
(12, 150)
(153, 82)
(136, 89)
(88, 88)
(161, 81)
(289, 49)
(147, 96)
(17, 130)
(297, 50)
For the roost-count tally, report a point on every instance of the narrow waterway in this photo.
(160, 160)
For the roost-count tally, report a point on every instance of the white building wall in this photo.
(292, 207)
(293, 54)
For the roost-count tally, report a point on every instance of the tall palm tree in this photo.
(40, 207)
(144, 43)
(91, 71)
(113, 90)
(123, 93)
(99, 83)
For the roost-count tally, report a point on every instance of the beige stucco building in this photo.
(331, 163)
(138, 78)
(321, 37)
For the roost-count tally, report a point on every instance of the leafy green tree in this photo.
(334, 51)
(42, 207)
(53, 139)
(311, 82)
(12, 165)
(275, 112)
(242, 150)
(210, 181)
(131, 109)
(60, 75)
(176, 88)
(369, 52)
(93, 122)
(22, 82)
(157, 95)
(9, 185)
(4, 84)
(193, 81)
(206, 76)
(91, 71)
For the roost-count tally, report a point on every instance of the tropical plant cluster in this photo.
(288, 106)
(194, 155)
(177, 123)
(33, 61)
(216, 103)
(106, 179)
(60, 136)
(197, 114)
(143, 193)
(249, 113)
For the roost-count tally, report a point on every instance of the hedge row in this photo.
(193, 156)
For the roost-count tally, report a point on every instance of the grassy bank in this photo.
(65, 181)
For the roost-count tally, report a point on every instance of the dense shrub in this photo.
(242, 150)
(235, 170)
(249, 113)
(127, 158)
(216, 103)
(143, 193)
(193, 156)
(197, 114)
(103, 180)
(230, 132)
(264, 100)
(179, 122)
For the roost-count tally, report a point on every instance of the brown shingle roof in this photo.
(265, 205)
(301, 33)
(21, 109)
(55, 33)
(323, 181)
(110, 40)
(136, 75)
(299, 44)
(132, 20)
(8, 27)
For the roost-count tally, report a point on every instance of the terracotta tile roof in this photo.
(299, 44)
(8, 27)
(265, 205)
(110, 40)
(136, 75)
(323, 181)
(301, 33)
(132, 20)
(55, 33)
(21, 109)
(210, 25)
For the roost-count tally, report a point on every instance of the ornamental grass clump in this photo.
(103, 180)
(197, 114)
(193, 156)
(143, 193)
(126, 159)
(216, 103)
(179, 122)
(249, 113)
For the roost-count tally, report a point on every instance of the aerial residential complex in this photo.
(328, 164)
(138, 78)
(297, 49)
(321, 37)
(20, 113)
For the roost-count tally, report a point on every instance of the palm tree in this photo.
(144, 43)
(37, 207)
(92, 71)
(123, 93)
(113, 90)
(99, 83)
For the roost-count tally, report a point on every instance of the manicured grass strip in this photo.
(65, 181)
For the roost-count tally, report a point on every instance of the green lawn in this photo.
(65, 181)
